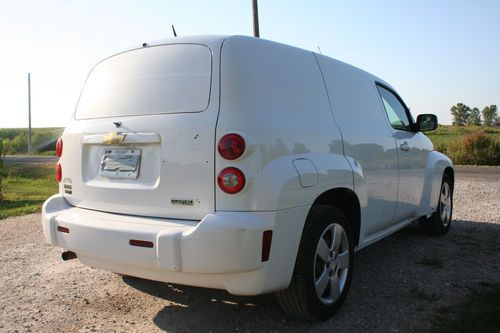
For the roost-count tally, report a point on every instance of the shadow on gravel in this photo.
(193, 308)
(399, 283)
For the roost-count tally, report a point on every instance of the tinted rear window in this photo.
(162, 79)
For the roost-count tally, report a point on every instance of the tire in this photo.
(439, 222)
(330, 266)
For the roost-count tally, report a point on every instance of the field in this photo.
(446, 134)
(468, 145)
(26, 187)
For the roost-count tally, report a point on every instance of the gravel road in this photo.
(398, 283)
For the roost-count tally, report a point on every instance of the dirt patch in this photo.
(398, 285)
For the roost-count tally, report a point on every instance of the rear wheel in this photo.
(323, 268)
(439, 223)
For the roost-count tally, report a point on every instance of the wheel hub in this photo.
(331, 264)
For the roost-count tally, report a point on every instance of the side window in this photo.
(396, 111)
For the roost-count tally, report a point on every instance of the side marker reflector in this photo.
(140, 243)
(63, 229)
(267, 237)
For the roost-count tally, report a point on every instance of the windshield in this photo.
(161, 79)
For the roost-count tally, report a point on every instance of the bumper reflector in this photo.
(63, 229)
(140, 243)
(267, 237)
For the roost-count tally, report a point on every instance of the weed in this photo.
(468, 144)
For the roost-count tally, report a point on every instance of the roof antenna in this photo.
(255, 12)
(173, 30)
(319, 50)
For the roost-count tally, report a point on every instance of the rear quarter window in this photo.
(161, 79)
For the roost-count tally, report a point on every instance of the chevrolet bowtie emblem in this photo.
(113, 138)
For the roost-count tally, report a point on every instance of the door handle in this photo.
(404, 146)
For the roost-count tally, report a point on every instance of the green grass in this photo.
(447, 134)
(478, 313)
(472, 145)
(26, 187)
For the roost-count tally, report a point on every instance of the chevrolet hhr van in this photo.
(241, 164)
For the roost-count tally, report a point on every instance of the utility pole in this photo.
(29, 113)
(255, 19)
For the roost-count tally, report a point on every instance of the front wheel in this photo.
(439, 223)
(323, 268)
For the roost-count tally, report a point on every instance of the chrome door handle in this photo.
(404, 147)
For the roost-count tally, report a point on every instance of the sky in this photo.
(435, 53)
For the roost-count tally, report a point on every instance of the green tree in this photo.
(460, 113)
(490, 115)
(43, 141)
(474, 117)
(19, 144)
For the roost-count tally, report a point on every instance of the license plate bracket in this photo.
(120, 163)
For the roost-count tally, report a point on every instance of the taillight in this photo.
(231, 180)
(231, 146)
(58, 172)
(59, 147)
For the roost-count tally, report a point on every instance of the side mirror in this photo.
(427, 122)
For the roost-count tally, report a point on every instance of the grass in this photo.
(471, 145)
(446, 134)
(25, 188)
(478, 313)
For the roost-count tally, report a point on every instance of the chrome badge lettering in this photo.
(182, 202)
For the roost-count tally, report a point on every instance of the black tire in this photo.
(301, 299)
(439, 222)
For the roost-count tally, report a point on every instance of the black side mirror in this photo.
(427, 122)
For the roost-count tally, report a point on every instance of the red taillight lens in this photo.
(231, 180)
(59, 147)
(58, 172)
(231, 146)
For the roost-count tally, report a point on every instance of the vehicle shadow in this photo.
(192, 308)
(390, 281)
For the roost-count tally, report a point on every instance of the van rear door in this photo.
(142, 141)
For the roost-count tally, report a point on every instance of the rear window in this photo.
(161, 79)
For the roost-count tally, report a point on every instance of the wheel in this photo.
(323, 268)
(439, 222)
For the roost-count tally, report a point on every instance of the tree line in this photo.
(465, 115)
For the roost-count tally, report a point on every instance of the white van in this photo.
(241, 164)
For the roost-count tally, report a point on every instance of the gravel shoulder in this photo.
(398, 283)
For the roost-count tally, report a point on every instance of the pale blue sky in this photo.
(435, 53)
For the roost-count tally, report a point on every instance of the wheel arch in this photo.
(451, 173)
(347, 201)
(436, 166)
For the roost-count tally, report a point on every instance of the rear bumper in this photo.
(223, 250)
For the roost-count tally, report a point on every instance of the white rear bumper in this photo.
(223, 250)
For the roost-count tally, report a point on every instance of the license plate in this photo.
(120, 163)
